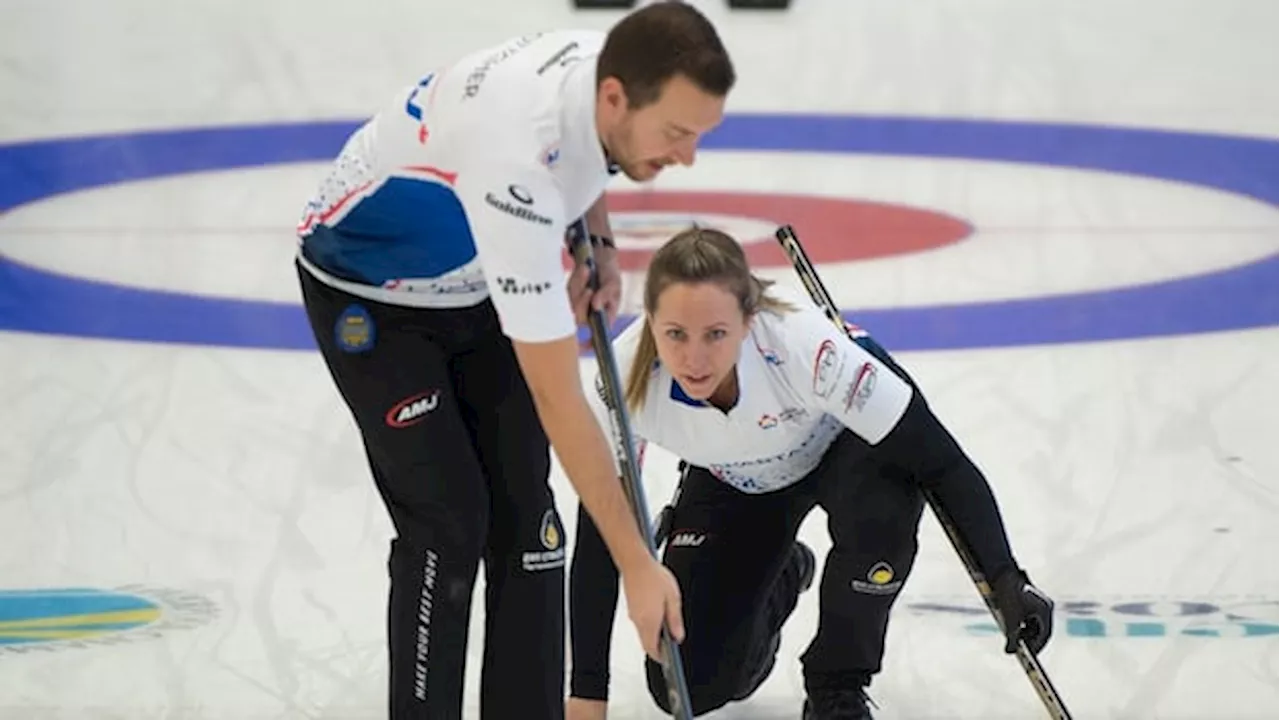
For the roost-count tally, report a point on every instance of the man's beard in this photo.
(639, 172)
(616, 154)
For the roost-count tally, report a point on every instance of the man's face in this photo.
(665, 132)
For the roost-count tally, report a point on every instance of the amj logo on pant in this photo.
(413, 410)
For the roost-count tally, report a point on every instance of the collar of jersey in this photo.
(679, 395)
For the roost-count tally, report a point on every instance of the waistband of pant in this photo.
(386, 296)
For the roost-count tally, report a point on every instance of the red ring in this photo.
(833, 230)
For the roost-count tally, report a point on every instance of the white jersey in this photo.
(801, 381)
(462, 188)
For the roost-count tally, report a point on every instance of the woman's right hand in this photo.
(653, 597)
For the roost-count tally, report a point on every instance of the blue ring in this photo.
(1242, 297)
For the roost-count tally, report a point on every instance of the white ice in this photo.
(1129, 472)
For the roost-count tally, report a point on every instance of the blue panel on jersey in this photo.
(407, 228)
(679, 395)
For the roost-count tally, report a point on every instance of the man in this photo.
(430, 266)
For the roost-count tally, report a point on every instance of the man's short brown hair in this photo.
(659, 41)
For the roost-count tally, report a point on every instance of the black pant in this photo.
(461, 461)
(730, 550)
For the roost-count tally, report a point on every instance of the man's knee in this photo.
(526, 533)
(538, 545)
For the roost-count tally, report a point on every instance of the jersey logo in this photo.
(550, 156)
(513, 286)
(827, 366)
(477, 76)
(792, 414)
(860, 390)
(410, 105)
(561, 58)
(522, 196)
(771, 356)
(412, 410)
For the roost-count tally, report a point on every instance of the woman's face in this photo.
(698, 329)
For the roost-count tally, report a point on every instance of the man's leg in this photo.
(395, 381)
(524, 658)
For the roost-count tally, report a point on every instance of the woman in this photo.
(774, 410)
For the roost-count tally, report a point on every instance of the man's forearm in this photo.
(551, 370)
(598, 219)
(584, 453)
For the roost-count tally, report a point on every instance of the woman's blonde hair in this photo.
(696, 255)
